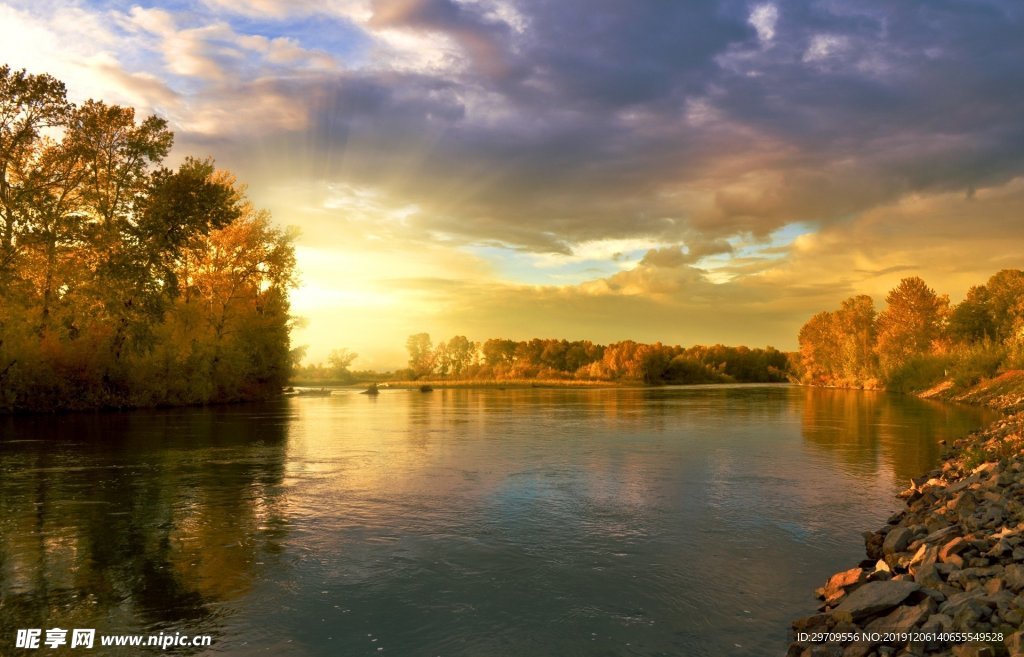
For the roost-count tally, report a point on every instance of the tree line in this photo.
(919, 338)
(124, 282)
(497, 359)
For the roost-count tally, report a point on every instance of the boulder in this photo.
(928, 575)
(896, 540)
(815, 623)
(953, 547)
(903, 618)
(875, 597)
(1013, 575)
(836, 586)
(1015, 644)
(858, 649)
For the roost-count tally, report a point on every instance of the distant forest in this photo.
(919, 340)
(460, 359)
(124, 282)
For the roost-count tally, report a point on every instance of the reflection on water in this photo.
(135, 522)
(669, 521)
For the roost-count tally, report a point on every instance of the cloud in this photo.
(763, 18)
(685, 135)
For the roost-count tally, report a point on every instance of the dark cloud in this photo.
(483, 38)
(602, 119)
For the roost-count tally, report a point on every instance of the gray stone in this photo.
(858, 649)
(926, 554)
(937, 623)
(969, 615)
(958, 600)
(875, 597)
(928, 575)
(951, 548)
(973, 650)
(1015, 644)
(1014, 577)
(896, 540)
(836, 586)
(903, 618)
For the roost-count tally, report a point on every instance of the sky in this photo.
(686, 172)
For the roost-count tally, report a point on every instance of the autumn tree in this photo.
(28, 105)
(340, 361)
(421, 354)
(971, 320)
(460, 352)
(123, 282)
(820, 355)
(912, 324)
(1006, 302)
(854, 323)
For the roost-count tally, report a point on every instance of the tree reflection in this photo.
(140, 522)
(872, 430)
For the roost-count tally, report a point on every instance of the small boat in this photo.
(372, 390)
(426, 388)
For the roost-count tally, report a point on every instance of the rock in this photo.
(858, 649)
(993, 517)
(999, 549)
(896, 540)
(994, 585)
(960, 599)
(1014, 577)
(936, 523)
(1015, 644)
(836, 586)
(875, 597)
(973, 650)
(815, 623)
(929, 576)
(798, 650)
(951, 548)
(961, 577)
(903, 618)
(969, 615)
(937, 623)
(873, 545)
(947, 531)
(925, 555)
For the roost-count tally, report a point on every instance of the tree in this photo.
(499, 351)
(28, 105)
(123, 282)
(421, 354)
(1005, 295)
(460, 352)
(972, 320)
(912, 324)
(820, 356)
(855, 325)
(340, 360)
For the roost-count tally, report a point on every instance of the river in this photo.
(479, 523)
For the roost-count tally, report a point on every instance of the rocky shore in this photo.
(945, 576)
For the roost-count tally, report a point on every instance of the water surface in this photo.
(671, 521)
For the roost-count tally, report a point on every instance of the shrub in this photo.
(919, 373)
(975, 362)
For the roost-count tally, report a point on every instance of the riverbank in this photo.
(472, 383)
(951, 562)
